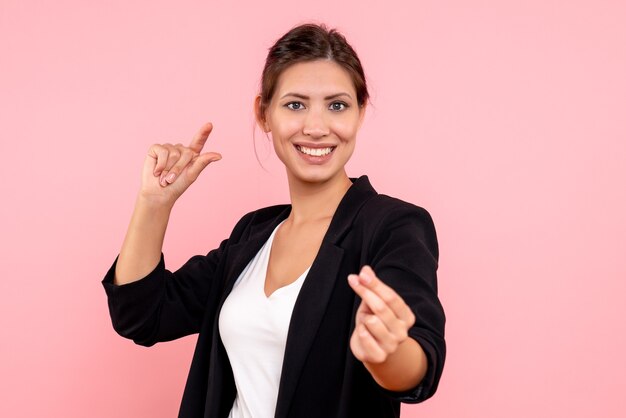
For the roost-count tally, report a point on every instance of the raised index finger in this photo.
(197, 143)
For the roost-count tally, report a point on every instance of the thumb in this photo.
(200, 163)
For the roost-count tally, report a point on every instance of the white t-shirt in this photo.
(254, 328)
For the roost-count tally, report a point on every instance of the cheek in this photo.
(346, 129)
(279, 148)
(282, 134)
(285, 128)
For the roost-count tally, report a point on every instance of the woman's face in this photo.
(314, 118)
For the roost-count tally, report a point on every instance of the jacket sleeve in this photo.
(404, 254)
(164, 305)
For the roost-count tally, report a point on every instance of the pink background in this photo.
(506, 120)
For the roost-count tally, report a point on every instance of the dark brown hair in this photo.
(309, 42)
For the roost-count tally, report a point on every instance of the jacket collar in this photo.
(360, 191)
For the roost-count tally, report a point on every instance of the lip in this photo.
(315, 145)
(312, 159)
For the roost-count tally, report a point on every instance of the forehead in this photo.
(320, 77)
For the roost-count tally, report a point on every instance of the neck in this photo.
(312, 202)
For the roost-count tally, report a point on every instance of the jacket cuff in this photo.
(136, 294)
(427, 387)
(109, 286)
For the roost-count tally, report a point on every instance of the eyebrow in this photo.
(302, 96)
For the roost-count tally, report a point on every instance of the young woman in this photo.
(325, 307)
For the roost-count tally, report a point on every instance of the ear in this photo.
(362, 114)
(260, 118)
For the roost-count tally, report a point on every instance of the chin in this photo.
(315, 178)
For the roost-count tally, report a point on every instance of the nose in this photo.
(315, 124)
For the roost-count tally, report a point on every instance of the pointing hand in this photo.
(169, 170)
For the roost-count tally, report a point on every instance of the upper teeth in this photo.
(315, 151)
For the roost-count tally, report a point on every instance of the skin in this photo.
(314, 104)
(300, 112)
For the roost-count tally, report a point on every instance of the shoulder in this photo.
(385, 218)
(373, 206)
(384, 204)
(265, 214)
(258, 218)
(384, 209)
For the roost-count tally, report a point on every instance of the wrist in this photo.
(154, 203)
(403, 369)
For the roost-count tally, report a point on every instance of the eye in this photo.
(294, 105)
(338, 106)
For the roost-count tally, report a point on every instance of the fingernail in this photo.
(170, 177)
(353, 279)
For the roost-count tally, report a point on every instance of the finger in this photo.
(200, 163)
(173, 155)
(198, 141)
(377, 307)
(186, 155)
(369, 279)
(386, 339)
(159, 153)
(362, 311)
(356, 345)
(371, 351)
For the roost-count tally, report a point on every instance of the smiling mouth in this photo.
(315, 152)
